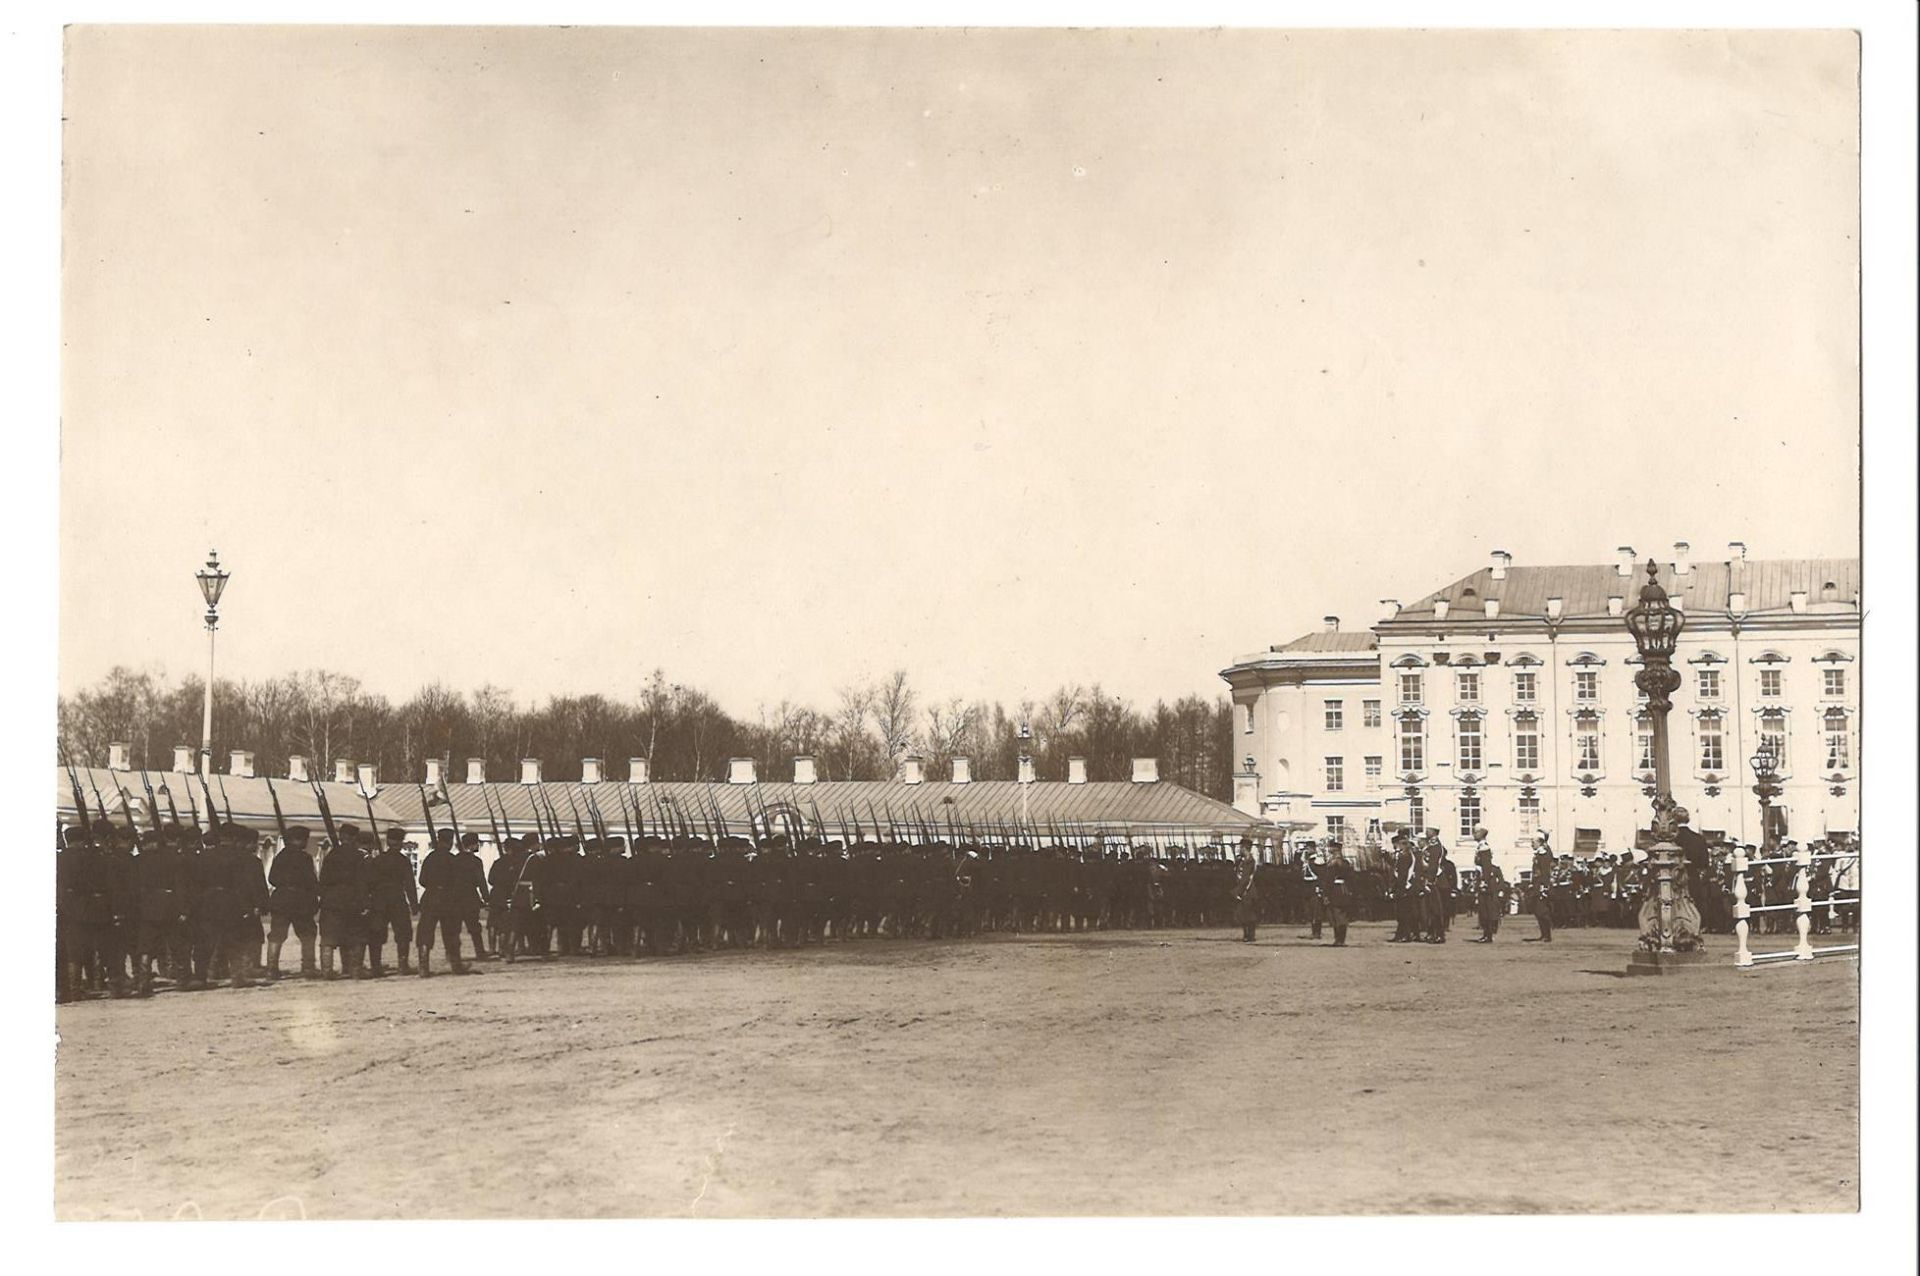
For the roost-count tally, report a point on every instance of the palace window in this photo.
(1337, 828)
(1529, 815)
(1839, 752)
(1410, 688)
(1470, 742)
(1643, 742)
(1417, 813)
(1370, 712)
(1526, 742)
(1586, 743)
(1713, 752)
(1707, 684)
(1833, 682)
(1372, 765)
(1246, 718)
(1413, 745)
(1336, 714)
(1773, 737)
(1373, 831)
(1586, 684)
(1468, 689)
(1469, 813)
(1526, 687)
(1770, 683)
(1336, 774)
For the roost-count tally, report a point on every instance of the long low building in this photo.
(911, 807)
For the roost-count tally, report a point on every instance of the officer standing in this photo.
(1336, 875)
(1489, 895)
(1543, 870)
(1246, 901)
(471, 893)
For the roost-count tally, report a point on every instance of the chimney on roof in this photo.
(1440, 608)
(1390, 607)
(1493, 608)
(1026, 768)
(1626, 562)
(369, 777)
(741, 771)
(804, 771)
(240, 763)
(963, 770)
(1736, 551)
(1555, 606)
(1332, 623)
(1682, 558)
(119, 756)
(435, 776)
(913, 769)
(183, 759)
(476, 770)
(529, 770)
(1616, 605)
(1737, 602)
(1798, 601)
(343, 770)
(589, 770)
(1501, 561)
(1076, 770)
(1146, 770)
(637, 772)
(296, 765)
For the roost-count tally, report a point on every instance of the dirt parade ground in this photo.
(1117, 1073)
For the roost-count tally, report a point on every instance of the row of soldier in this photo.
(190, 906)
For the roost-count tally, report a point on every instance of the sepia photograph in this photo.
(840, 622)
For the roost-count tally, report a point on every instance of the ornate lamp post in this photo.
(213, 582)
(1766, 776)
(1669, 923)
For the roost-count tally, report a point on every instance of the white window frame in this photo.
(1417, 682)
(1373, 767)
(1370, 713)
(1526, 686)
(1828, 677)
(1335, 774)
(1469, 726)
(1333, 715)
(1706, 684)
(1526, 728)
(1717, 736)
(1468, 825)
(1466, 687)
(1586, 686)
(1771, 674)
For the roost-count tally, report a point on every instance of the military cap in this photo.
(469, 840)
(442, 835)
(395, 835)
(297, 835)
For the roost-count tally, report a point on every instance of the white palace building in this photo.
(1506, 700)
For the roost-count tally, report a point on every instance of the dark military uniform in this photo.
(1246, 895)
(392, 900)
(1542, 883)
(343, 903)
(293, 898)
(441, 881)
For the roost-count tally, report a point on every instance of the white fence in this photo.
(1802, 908)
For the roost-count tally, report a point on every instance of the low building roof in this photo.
(250, 798)
(1160, 807)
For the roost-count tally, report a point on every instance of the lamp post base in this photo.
(1654, 963)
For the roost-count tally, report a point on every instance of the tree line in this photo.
(683, 732)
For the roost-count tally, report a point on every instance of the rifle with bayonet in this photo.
(80, 802)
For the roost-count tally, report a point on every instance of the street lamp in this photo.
(1669, 923)
(213, 582)
(1766, 776)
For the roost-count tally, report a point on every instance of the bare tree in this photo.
(894, 706)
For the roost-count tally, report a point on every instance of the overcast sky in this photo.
(777, 360)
